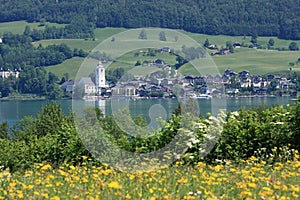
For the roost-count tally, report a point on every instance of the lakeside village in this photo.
(230, 84)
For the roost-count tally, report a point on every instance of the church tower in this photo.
(100, 76)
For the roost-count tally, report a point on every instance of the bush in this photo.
(51, 137)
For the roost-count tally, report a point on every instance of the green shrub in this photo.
(51, 136)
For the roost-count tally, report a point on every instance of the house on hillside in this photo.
(214, 53)
(224, 51)
(165, 49)
(228, 74)
(236, 45)
(159, 62)
(212, 46)
(244, 74)
(68, 86)
(257, 81)
(6, 74)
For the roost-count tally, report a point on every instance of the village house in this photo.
(190, 79)
(165, 49)
(236, 45)
(89, 86)
(224, 51)
(159, 62)
(209, 79)
(217, 79)
(245, 79)
(212, 46)
(6, 74)
(232, 91)
(166, 82)
(68, 86)
(257, 81)
(122, 90)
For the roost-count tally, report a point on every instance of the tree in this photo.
(253, 39)
(143, 35)
(50, 120)
(270, 19)
(271, 42)
(27, 30)
(273, 85)
(138, 63)
(4, 132)
(230, 46)
(293, 46)
(54, 91)
(66, 75)
(206, 43)
(162, 36)
(42, 22)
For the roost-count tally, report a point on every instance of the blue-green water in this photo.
(14, 110)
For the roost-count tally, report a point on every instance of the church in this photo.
(97, 88)
(100, 76)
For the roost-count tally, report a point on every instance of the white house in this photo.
(89, 86)
(6, 74)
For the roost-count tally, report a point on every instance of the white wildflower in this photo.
(189, 144)
(279, 123)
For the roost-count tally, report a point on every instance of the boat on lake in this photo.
(202, 96)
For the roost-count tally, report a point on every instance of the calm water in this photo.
(14, 110)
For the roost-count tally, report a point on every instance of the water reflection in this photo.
(14, 110)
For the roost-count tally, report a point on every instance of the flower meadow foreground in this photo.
(251, 179)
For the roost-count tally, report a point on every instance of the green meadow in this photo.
(256, 61)
(260, 61)
(220, 40)
(85, 44)
(18, 27)
(70, 66)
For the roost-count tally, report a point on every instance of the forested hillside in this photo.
(231, 17)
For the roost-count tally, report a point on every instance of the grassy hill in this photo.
(259, 61)
(70, 66)
(85, 44)
(18, 27)
(220, 40)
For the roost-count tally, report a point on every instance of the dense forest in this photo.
(231, 17)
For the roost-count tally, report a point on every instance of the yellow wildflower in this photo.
(55, 198)
(45, 167)
(182, 180)
(115, 185)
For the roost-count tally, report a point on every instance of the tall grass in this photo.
(252, 179)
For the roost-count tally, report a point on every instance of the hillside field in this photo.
(260, 61)
(18, 27)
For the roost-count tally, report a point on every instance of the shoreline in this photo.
(30, 98)
(134, 98)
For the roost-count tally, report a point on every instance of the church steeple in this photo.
(100, 76)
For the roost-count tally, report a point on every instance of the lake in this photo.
(14, 110)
